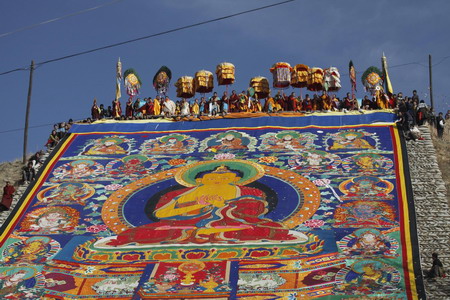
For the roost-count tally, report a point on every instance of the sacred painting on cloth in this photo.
(262, 208)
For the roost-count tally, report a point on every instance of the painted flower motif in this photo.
(221, 156)
(170, 277)
(328, 213)
(292, 296)
(268, 159)
(96, 228)
(113, 187)
(176, 162)
(89, 270)
(298, 264)
(322, 182)
(314, 223)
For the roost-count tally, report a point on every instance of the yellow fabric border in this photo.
(406, 220)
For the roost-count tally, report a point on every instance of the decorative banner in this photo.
(332, 79)
(161, 80)
(315, 79)
(281, 72)
(387, 80)
(203, 81)
(352, 73)
(185, 87)
(260, 86)
(132, 82)
(299, 78)
(118, 79)
(372, 79)
(225, 73)
(256, 208)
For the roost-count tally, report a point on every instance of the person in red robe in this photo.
(129, 108)
(95, 111)
(116, 109)
(292, 102)
(8, 192)
(234, 101)
(217, 210)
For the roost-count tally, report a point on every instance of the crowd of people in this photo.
(242, 102)
(412, 111)
(35, 162)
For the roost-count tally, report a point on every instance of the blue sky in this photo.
(316, 33)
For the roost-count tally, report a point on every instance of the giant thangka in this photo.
(258, 208)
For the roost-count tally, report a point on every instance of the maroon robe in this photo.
(7, 198)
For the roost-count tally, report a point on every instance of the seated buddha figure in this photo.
(350, 140)
(106, 146)
(215, 210)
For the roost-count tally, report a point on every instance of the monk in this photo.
(8, 192)
(326, 101)
(156, 106)
(116, 109)
(234, 101)
(129, 108)
(269, 105)
(95, 111)
(195, 108)
(292, 102)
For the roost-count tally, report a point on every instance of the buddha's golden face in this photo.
(218, 178)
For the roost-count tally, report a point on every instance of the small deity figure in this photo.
(77, 170)
(106, 146)
(363, 213)
(368, 276)
(51, 220)
(33, 250)
(169, 144)
(11, 281)
(350, 140)
(368, 242)
(287, 141)
(131, 166)
(366, 187)
(229, 141)
(173, 144)
(66, 193)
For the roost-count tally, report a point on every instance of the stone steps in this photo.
(18, 194)
(432, 211)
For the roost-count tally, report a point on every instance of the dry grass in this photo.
(11, 171)
(442, 147)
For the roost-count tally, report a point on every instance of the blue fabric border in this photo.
(300, 121)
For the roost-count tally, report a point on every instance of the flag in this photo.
(352, 72)
(118, 78)
(387, 81)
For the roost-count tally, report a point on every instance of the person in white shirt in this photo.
(185, 109)
(169, 107)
